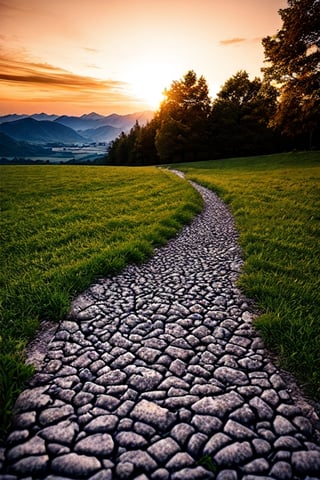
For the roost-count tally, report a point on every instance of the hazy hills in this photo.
(40, 130)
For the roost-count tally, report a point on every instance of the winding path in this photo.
(158, 374)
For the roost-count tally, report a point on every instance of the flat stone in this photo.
(196, 473)
(131, 440)
(163, 449)
(123, 360)
(218, 406)
(231, 376)
(34, 446)
(227, 474)
(82, 398)
(54, 414)
(178, 367)
(124, 470)
(114, 377)
(140, 459)
(261, 408)
(79, 466)
(33, 399)
(262, 447)
(160, 474)
(101, 424)
(257, 466)
(196, 443)
(306, 462)
(107, 401)
(181, 432)
(33, 465)
(303, 424)
(238, 431)
(281, 470)
(100, 444)
(145, 379)
(243, 415)
(148, 354)
(64, 432)
(206, 423)
(180, 460)
(282, 426)
(180, 353)
(216, 442)
(234, 454)
(287, 442)
(151, 413)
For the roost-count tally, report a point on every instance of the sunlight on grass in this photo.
(63, 226)
(276, 204)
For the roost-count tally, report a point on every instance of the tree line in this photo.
(248, 117)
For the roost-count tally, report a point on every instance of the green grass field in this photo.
(276, 204)
(63, 226)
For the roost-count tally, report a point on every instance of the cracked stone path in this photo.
(158, 374)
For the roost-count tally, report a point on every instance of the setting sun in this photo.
(148, 80)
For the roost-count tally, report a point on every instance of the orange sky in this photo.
(79, 56)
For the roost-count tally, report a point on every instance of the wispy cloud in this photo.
(90, 50)
(232, 41)
(26, 80)
(15, 70)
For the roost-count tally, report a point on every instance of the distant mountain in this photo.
(102, 134)
(41, 132)
(13, 148)
(12, 118)
(93, 120)
(44, 116)
(41, 128)
(37, 116)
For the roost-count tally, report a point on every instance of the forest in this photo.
(280, 112)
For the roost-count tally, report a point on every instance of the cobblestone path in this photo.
(158, 374)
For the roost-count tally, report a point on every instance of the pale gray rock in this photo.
(153, 414)
(234, 454)
(64, 432)
(34, 446)
(163, 449)
(100, 444)
(306, 462)
(281, 470)
(218, 406)
(78, 466)
(139, 459)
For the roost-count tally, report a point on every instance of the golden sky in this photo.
(78, 56)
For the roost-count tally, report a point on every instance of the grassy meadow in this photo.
(63, 226)
(276, 204)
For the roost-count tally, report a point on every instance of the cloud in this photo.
(26, 72)
(23, 80)
(231, 41)
(90, 50)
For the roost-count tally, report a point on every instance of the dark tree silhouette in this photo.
(239, 119)
(183, 116)
(293, 65)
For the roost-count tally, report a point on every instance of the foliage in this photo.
(183, 117)
(239, 119)
(61, 227)
(276, 201)
(293, 64)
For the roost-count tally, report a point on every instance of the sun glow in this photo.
(148, 82)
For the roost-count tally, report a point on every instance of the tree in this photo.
(293, 65)
(183, 116)
(239, 119)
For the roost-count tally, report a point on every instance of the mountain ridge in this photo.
(42, 129)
